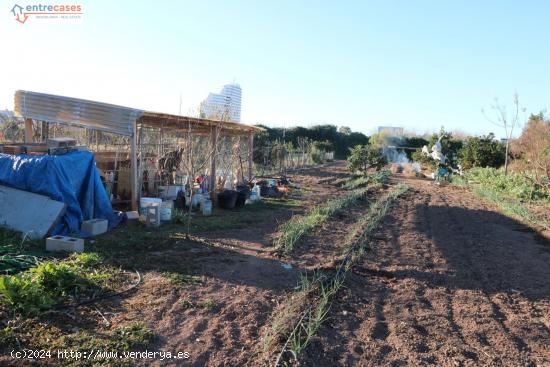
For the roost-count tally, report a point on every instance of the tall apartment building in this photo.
(390, 130)
(226, 103)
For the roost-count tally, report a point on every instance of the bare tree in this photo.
(506, 121)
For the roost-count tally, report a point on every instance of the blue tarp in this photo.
(71, 178)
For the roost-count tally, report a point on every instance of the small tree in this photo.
(364, 157)
(507, 122)
(482, 151)
(532, 150)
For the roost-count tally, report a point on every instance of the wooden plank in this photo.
(250, 155)
(212, 185)
(28, 131)
(133, 167)
(28, 212)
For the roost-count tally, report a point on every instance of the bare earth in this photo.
(448, 281)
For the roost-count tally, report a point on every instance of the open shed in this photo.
(45, 109)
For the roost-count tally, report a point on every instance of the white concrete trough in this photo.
(32, 214)
(95, 227)
(64, 243)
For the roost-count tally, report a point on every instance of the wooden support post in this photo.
(213, 147)
(45, 131)
(134, 169)
(28, 131)
(141, 184)
(250, 155)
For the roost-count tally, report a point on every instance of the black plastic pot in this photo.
(227, 199)
(244, 193)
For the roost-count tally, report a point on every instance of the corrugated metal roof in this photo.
(75, 111)
(109, 117)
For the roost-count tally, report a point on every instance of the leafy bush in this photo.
(513, 185)
(482, 151)
(316, 155)
(364, 157)
(43, 286)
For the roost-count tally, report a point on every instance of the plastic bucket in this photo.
(166, 211)
(206, 207)
(145, 202)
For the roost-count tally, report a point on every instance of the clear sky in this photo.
(417, 64)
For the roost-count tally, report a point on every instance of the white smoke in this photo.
(398, 158)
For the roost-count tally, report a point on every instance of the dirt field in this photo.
(448, 281)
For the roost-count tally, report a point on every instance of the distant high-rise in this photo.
(226, 104)
(390, 130)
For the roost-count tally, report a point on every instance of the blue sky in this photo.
(417, 64)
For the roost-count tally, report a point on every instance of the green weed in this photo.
(299, 225)
(379, 177)
(510, 207)
(187, 303)
(49, 283)
(181, 278)
(513, 185)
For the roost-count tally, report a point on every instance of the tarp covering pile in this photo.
(71, 178)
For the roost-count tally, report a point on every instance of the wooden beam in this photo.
(213, 143)
(250, 155)
(133, 167)
(28, 131)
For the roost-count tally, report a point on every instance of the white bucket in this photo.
(206, 207)
(145, 202)
(166, 211)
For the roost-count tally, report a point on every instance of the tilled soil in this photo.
(241, 283)
(448, 282)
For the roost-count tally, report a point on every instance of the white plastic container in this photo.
(206, 207)
(145, 202)
(166, 211)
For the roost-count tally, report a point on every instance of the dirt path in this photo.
(448, 282)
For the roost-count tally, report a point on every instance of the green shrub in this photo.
(483, 151)
(364, 157)
(316, 155)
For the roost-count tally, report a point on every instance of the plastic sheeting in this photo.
(71, 178)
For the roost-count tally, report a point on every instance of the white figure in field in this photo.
(436, 153)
